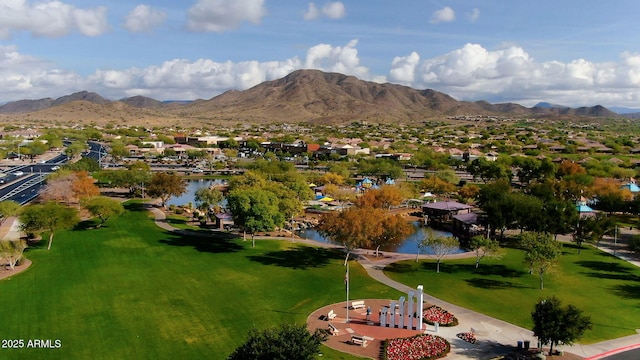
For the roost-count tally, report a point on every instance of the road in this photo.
(627, 355)
(22, 183)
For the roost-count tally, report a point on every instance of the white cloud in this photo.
(403, 69)
(144, 18)
(91, 22)
(27, 77)
(445, 14)
(312, 12)
(474, 15)
(341, 59)
(50, 19)
(511, 74)
(333, 10)
(183, 79)
(223, 15)
(471, 72)
(205, 78)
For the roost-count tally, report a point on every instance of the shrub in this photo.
(634, 244)
(419, 347)
(436, 314)
(467, 336)
(286, 341)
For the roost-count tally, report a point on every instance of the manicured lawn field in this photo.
(132, 291)
(606, 288)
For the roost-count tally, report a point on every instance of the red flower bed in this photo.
(419, 347)
(436, 314)
(467, 336)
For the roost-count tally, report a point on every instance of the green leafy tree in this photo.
(103, 207)
(494, 200)
(284, 342)
(50, 216)
(380, 168)
(249, 179)
(118, 151)
(527, 211)
(559, 216)
(11, 251)
(84, 164)
(555, 324)
(134, 179)
(489, 170)
(74, 149)
(37, 148)
(592, 230)
(483, 247)
(542, 252)
(255, 210)
(441, 246)
(8, 208)
(206, 198)
(164, 186)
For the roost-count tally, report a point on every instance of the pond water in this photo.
(192, 187)
(407, 246)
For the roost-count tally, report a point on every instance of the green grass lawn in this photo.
(129, 290)
(602, 286)
(182, 222)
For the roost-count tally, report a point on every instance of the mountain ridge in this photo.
(301, 96)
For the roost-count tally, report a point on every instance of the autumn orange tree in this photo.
(352, 228)
(611, 197)
(469, 191)
(437, 185)
(568, 167)
(69, 187)
(331, 178)
(164, 185)
(383, 198)
(394, 229)
(367, 224)
(84, 185)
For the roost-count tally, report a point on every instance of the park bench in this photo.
(333, 330)
(358, 340)
(357, 304)
(331, 315)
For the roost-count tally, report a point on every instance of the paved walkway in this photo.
(495, 336)
(10, 230)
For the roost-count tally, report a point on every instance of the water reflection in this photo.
(407, 246)
(192, 187)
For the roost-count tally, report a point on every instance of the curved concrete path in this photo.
(495, 337)
(10, 230)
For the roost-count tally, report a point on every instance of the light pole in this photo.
(615, 240)
(346, 281)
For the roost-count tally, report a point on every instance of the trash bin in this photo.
(527, 343)
(519, 344)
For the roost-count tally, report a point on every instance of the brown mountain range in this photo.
(302, 96)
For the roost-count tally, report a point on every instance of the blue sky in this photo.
(574, 53)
